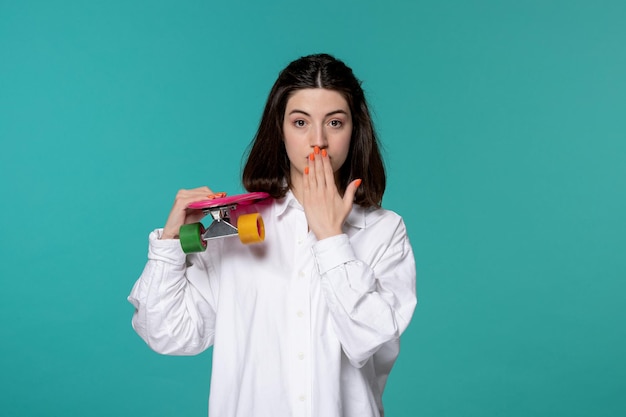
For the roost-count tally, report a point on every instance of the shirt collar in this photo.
(356, 218)
(289, 200)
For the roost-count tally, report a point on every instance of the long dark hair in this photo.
(267, 165)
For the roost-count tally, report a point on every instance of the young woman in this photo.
(308, 322)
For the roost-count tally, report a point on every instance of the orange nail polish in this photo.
(312, 156)
(324, 153)
(316, 150)
(306, 170)
(358, 182)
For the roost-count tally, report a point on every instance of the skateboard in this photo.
(250, 228)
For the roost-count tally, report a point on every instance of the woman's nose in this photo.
(318, 138)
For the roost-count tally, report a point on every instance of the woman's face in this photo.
(316, 117)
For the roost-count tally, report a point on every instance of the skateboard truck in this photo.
(221, 226)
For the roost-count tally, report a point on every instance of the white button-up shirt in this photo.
(299, 327)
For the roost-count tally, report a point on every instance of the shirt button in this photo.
(300, 355)
(301, 274)
(302, 398)
(300, 313)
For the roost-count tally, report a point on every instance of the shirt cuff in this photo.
(166, 250)
(332, 252)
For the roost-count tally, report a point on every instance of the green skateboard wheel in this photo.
(191, 238)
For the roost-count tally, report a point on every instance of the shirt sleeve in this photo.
(173, 315)
(371, 302)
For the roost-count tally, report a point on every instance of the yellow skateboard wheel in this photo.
(251, 228)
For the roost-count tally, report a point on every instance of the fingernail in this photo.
(316, 150)
(312, 156)
(324, 153)
(358, 182)
(306, 170)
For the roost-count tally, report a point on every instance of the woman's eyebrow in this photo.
(299, 111)
(339, 111)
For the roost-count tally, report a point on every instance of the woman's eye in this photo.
(336, 123)
(299, 123)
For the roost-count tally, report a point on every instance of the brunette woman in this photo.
(308, 322)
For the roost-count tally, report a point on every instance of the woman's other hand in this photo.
(181, 214)
(326, 210)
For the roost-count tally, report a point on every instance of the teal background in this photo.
(504, 130)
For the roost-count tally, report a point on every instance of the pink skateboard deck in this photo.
(240, 199)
